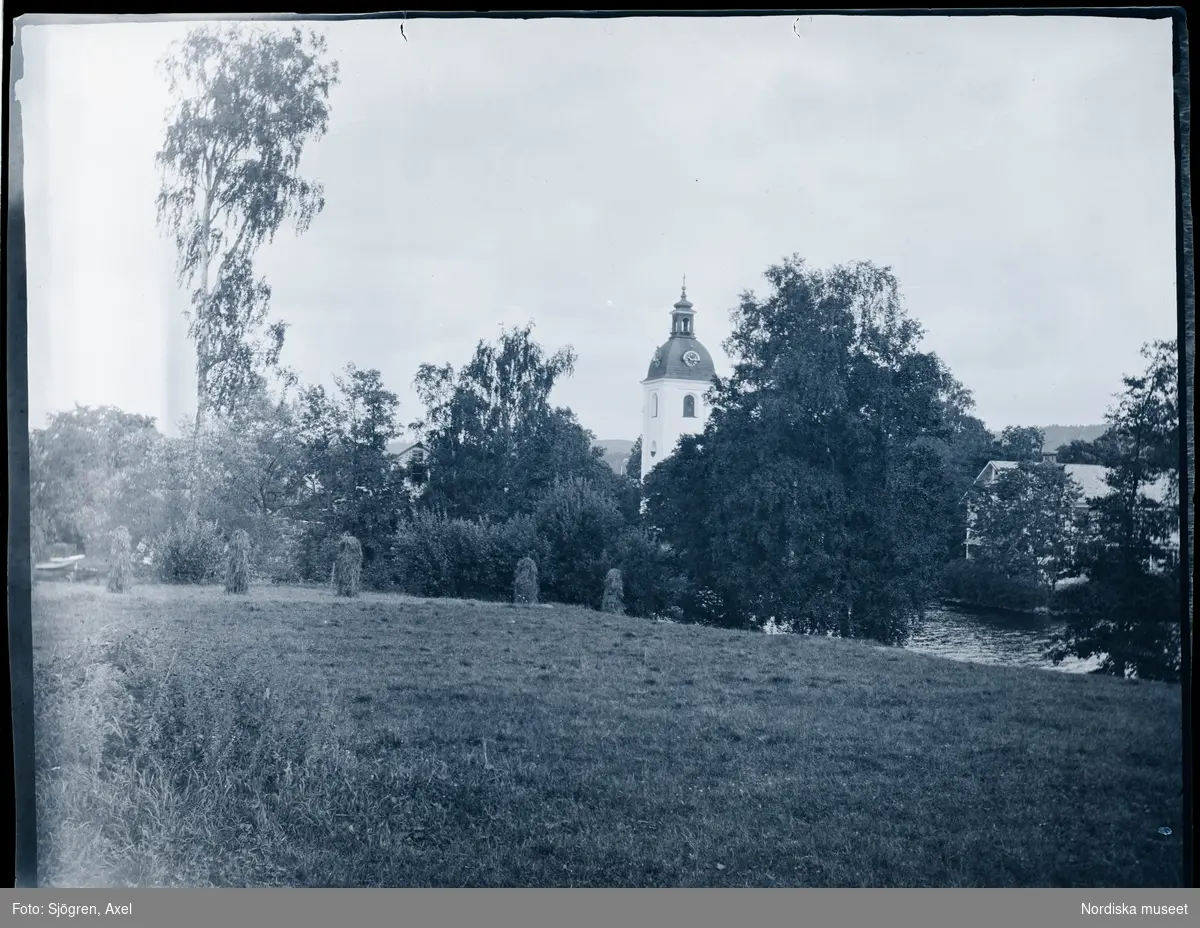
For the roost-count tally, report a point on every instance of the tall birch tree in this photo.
(247, 100)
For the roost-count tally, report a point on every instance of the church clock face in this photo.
(691, 359)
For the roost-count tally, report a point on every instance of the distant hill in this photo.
(616, 452)
(1059, 435)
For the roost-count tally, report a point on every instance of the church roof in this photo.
(682, 357)
(671, 360)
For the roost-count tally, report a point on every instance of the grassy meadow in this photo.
(290, 738)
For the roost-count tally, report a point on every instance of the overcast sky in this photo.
(1017, 173)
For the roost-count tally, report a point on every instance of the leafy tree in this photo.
(1020, 443)
(239, 469)
(633, 467)
(580, 524)
(814, 496)
(93, 469)
(653, 583)
(1104, 451)
(348, 479)
(494, 443)
(1129, 611)
(676, 504)
(1026, 524)
(247, 100)
(965, 451)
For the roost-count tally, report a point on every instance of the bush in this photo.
(317, 548)
(651, 581)
(434, 556)
(580, 524)
(614, 594)
(525, 582)
(978, 585)
(237, 563)
(189, 553)
(277, 551)
(120, 572)
(347, 567)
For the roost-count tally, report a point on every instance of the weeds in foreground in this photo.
(158, 768)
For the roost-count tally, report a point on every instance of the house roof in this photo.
(1089, 477)
(401, 450)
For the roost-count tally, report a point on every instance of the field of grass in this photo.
(289, 738)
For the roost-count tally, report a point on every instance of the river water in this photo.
(990, 638)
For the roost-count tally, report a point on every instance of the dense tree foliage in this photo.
(1020, 443)
(1129, 611)
(495, 443)
(1027, 524)
(633, 467)
(1104, 451)
(93, 469)
(349, 483)
(817, 492)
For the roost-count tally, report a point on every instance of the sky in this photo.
(1016, 173)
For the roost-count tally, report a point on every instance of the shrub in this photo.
(434, 556)
(120, 571)
(237, 563)
(189, 553)
(975, 584)
(318, 547)
(347, 566)
(277, 551)
(580, 522)
(614, 593)
(525, 582)
(651, 580)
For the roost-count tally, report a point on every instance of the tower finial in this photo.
(684, 292)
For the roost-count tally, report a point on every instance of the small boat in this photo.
(59, 566)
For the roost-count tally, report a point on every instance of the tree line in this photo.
(828, 491)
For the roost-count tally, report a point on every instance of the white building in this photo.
(673, 392)
(1090, 478)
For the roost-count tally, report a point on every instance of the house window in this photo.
(653, 449)
(689, 407)
(653, 405)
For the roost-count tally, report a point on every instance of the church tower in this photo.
(673, 392)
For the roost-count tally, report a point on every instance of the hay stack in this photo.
(525, 582)
(614, 593)
(347, 568)
(120, 572)
(237, 563)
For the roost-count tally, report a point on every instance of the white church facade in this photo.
(673, 403)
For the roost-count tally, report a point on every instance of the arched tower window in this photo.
(653, 404)
(689, 407)
(653, 448)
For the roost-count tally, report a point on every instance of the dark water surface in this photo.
(990, 638)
